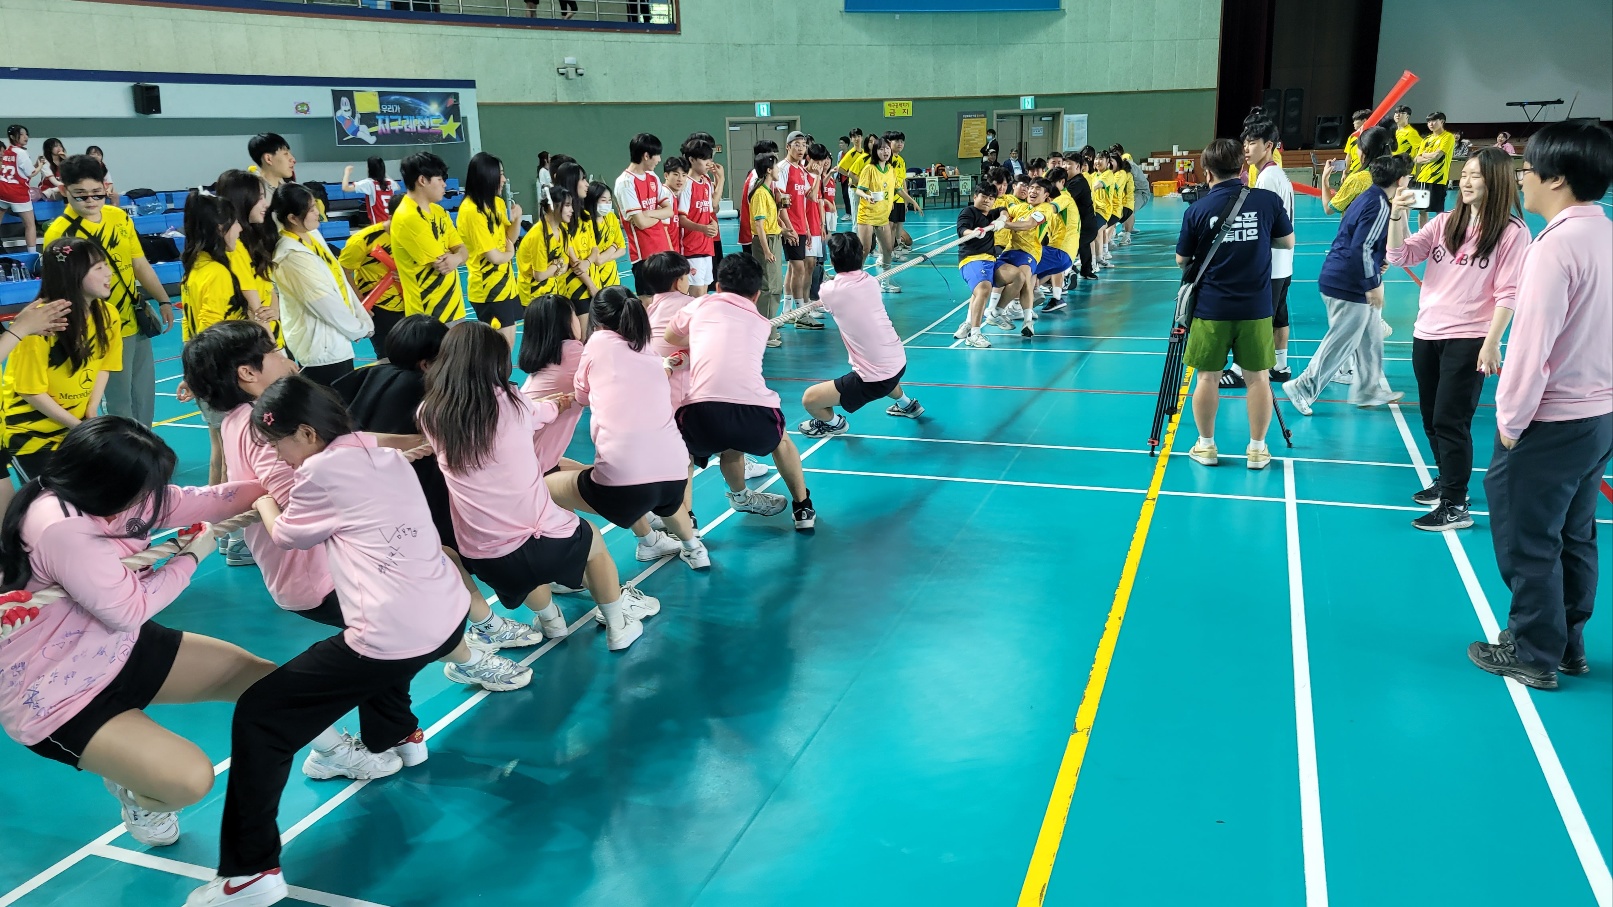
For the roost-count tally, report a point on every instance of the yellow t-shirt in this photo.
(1352, 154)
(1006, 201)
(899, 165)
(1103, 194)
(882, 180)
(241, 264)
(1069, 231)
(28, 372)
(117, 236)
(367, 272)
(1408, 138)
(1052, 229)
(608, 232)
(853, 162)
(208, 293)
(1029, 241)
(1126, 190)
(763, 208)
(1354, 184)
(540, 247)
(1438, 171)
(419, 238)
(490, 283)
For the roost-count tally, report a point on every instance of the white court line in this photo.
(1043, 349)
(203, 874)
(1579, 831)
(926, 329)
(1151, 339)
(1310, 799)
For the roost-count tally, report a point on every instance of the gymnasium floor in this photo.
(881, 712)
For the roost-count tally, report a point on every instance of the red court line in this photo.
(1054, 390)
(1607, 490)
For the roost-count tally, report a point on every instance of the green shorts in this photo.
(1249, 342)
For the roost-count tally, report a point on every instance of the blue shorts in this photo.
(1019, 258)
(978, 272)
(1054, 261)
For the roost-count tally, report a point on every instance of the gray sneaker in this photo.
(493, 672)
(757, 502)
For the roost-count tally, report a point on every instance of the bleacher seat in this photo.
(29, 259)
(174, 220)
(150, 223)
(178, 202)
(47, 211)
(19, 292)
(452, 183)
(452, 202)
(335, 229)
(179, 241)
(169, 272)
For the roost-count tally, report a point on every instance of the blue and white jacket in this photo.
(1354, 264)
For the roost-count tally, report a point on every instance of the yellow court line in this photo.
(171, 421)
(1040, 871)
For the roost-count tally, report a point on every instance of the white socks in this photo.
(613, 613)
(1282, 359)
(1206, 442)
(1256, 445)
(327, 741)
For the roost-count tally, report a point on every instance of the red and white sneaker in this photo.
(413, 750)
(259, 890)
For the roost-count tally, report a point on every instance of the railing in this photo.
(654, 15)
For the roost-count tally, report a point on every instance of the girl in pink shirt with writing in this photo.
(640, 464)
(402, 603)
(512, 535)
(75, 681)
(550, 353)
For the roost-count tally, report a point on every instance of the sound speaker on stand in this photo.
(1293, 117)
(1271, 104)
(1330, 132)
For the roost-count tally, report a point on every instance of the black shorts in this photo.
(385, 321)
(898, 212)
(328, 375)
(795, 251)
(1126, 213)
(856, 393)
(136, 685)
(1279, 302)
(1113, 219)
(327, 612)
(538, 562)
(624, 504)
(711, 427)
(506, 314)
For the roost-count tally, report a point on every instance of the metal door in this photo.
(743, 134)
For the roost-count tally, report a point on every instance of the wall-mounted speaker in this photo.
(147, 99)
(1293, 117)
(1330, 132)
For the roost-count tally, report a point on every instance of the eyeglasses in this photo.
(96, 197)
(1522, 171)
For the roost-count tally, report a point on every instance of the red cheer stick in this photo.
(386, 283)
(1407, 79)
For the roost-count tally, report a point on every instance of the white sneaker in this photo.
(151, 828)
(503, 633)
(237, 554)
(1346, 376)
(697, 557)
(757, 502)
(657, 545)
(1014, 312)
(1000, 321)
(889, 287)
(754, 468)
(554, 627)
(977, 340)
(413, 751)
(962, 333)
(493, 672)
(351, 759)
(635, 605)
(617, 639)
(259, 890)
(1388, 329)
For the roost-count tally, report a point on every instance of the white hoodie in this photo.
(321, 320)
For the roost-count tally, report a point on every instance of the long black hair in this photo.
(375, 168)
(482, 180)
(290, 200)
(295, 401)
(460, 410)
(207, 219)
(1373, 143)
(63, 268)
(617, 309)
(213, 358)
(244, 190)
(544, 332)
(104, 466)
(590, 202)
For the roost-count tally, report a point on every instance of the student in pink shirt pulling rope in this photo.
(1554, 412)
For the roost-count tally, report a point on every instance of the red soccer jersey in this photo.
(642, 193)
(15, 169)
(695, 204)
(744, 209)
(797, 186)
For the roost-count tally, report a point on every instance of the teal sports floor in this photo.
(878, 713)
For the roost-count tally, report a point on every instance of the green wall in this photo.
(597, 134)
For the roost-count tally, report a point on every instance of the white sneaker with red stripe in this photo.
(413, 750)
(259, 890)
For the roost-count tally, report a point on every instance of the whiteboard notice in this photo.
(1075, 131)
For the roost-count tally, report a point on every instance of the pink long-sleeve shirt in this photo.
(1461, 292)
(630, 413)
(727, 338)
(555, 437)
(497, 507)
(1559, 363)
(401, 596)
(298, 580)
(51, 668)
(663, 308)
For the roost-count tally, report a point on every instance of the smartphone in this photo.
(1420, 199)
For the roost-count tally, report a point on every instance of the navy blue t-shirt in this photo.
(1238, 285)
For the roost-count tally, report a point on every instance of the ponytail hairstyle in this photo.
(482, 180)
(763, 163)
(1496, 212)
(375, 168)
(544, 332)
(617, 309)
(207, 219)
(1373, 144)
(63, 268)
(460, 411)
(556, 203)
(105, 466)
(290, 200)
(244, 190)
(295, 401)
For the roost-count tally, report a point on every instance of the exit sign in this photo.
(1026, 102)
(764, 109)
